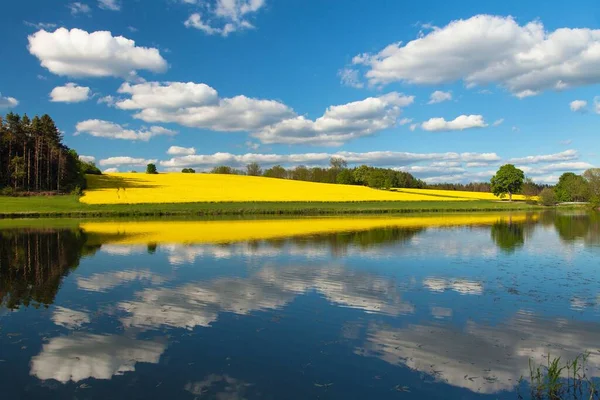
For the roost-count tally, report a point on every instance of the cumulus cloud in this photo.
(349, 77)
(110, 170)
(224, 16)
(87, 158)
(339, 123)
(70, 93)
(566, 155)
(8, 102)
(79, 8)
(78, 53)
(112, 5)
(199, 105)
(558, 167)
(525, 59)
(458, 124)
(578, 105)
(167, 95)
(380, 158)
(106, 129)
(125, 160)
(438, 96)
(181, 151)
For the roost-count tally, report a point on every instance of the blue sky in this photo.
(295, 81)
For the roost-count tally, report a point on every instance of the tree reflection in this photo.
(508, 236)
(33, 263)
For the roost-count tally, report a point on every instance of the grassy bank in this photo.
(69, 206)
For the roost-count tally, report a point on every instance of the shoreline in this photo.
(70, 207)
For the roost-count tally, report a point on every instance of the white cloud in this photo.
(350, 77)
(40, 25)
(181, 151)
(405, 121)
(484, 49)
(380, 158)
(79, 8)
(498, 122)
(70, 93)
(167, 95)
(106, 129)
(566, 155)
(556, 167)
(225, 16)
(458, 124)
(78, 53)
(8, 102)
(112, 5)
(108, 100)
(438, 97)
(82, 356)
(578, 105)
(87, 158)
(198, 105)
(110, 170)
(339, 123)
(413, 127)
(131, 161)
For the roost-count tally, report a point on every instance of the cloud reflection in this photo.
(103, 282)
(482, 358)
(78, 357)
(68, 318)
(198, 304)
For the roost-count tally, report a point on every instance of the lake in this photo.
(397, 307)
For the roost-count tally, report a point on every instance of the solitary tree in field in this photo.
(508, 180)
(253, 169)
(151, 169)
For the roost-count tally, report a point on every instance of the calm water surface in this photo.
(448, 307)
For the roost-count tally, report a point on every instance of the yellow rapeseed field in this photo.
(190, 232)
(133, 188)
(458, 193)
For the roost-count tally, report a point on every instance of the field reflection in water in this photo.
(442, 306)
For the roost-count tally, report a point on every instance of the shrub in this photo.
(547, 197)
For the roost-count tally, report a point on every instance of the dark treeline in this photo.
(34, 262)
(34, 159)
(337, 172)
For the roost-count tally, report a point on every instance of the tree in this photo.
(508, 180)
(572, 187)
(547, 197)
(253, 169)
(222, 169)
(592, 176)
(530, 189)
(151, 169)
(188, 171)
(337, 163)
(345, 177)
(17, 170)
(276, 171)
